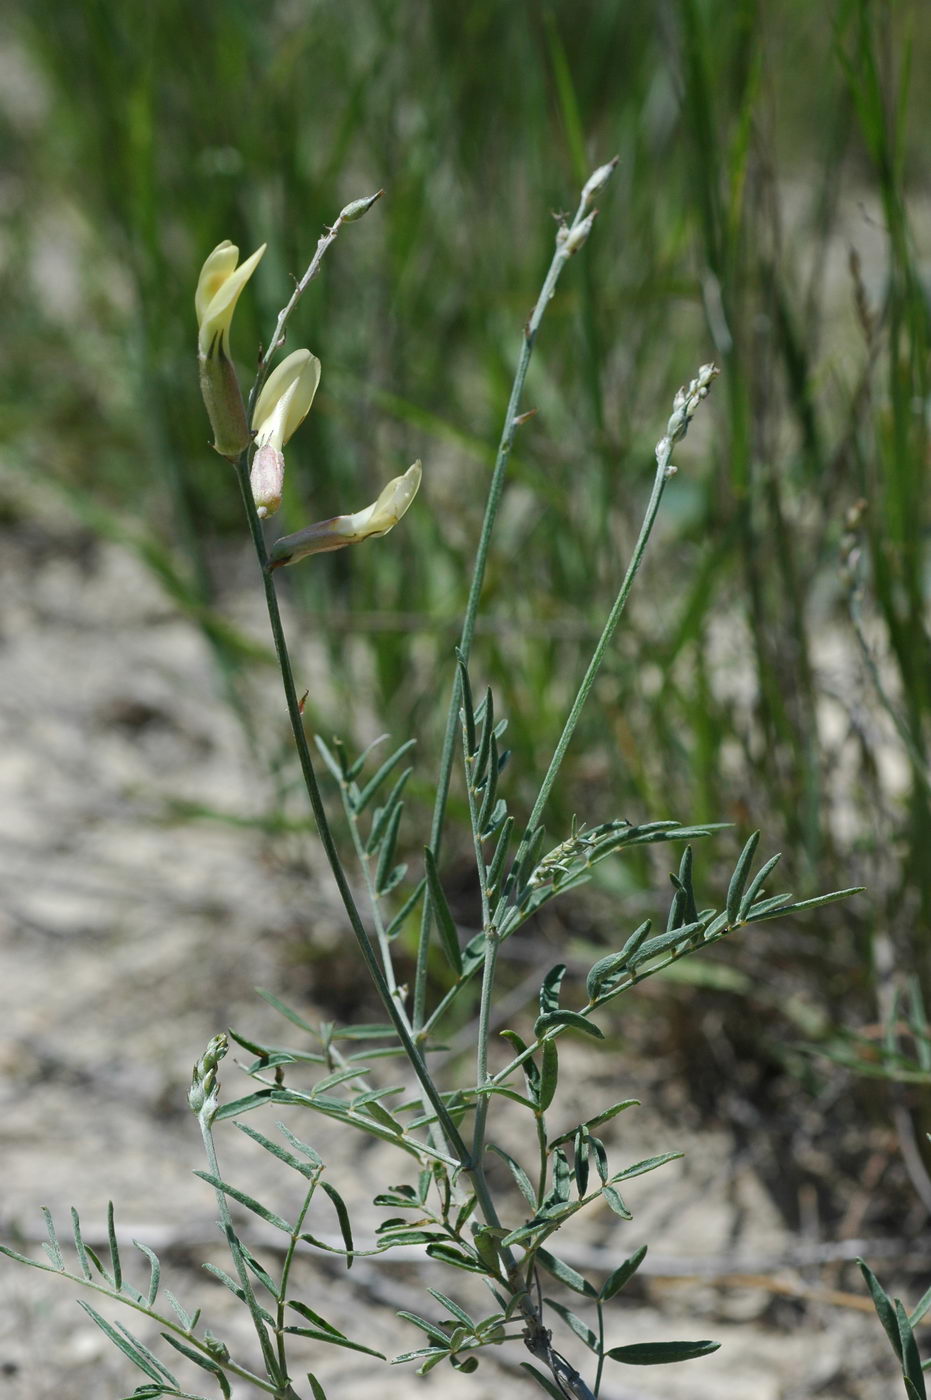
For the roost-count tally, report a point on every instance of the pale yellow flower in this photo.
(342, 530)
(218, 289)
(279, 411)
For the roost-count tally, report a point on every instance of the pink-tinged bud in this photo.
(279, 411)
(342, 530)
(267, 479)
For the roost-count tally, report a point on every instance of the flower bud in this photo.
(279, 411)
(576, 236)
(204, 1092)
(218, 289)
(597, 180)
(342, 530)
(358, 207)
(267, 479)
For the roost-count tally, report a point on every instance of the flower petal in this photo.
(342, 530)
(286, 397)
(218, 289)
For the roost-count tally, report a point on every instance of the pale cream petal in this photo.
(218, 313)
(286, 397)
(342, 530)
(221, 262)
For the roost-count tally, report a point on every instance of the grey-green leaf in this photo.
(565, 1273)
(739, 878)
(543, 1381)
(368, 792)
(911, 1361)
(518, 1173)
(199, 1359)
(249, 1202)
(816, 903)
(661, 1353)
(570, 1019)
(342, 1216)
(616, 1201)
(446, 925)
(648, 1164)
(549, 992)
(129, 1346)
(549, 1075)
(580, 1328)
(622, 1274)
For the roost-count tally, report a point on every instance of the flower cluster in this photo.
(281, 406)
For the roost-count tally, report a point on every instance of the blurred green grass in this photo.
(757, 145)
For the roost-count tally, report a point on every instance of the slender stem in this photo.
(384, 947)
(326, 238)
(601, 1347)
(286, 1273)
(685, 403)
(542, 1147)
(275, 1372)
(365, 865)
(168, 1323)
(326, 836)
(564, 250)
(489, 963)
(604, 641)
(493, 943)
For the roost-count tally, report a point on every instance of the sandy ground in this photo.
(128, 940)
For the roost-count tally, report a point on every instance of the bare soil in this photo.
(130, 938)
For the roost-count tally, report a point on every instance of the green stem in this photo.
(384, 947)
(166, 1323)
(276, 1373)
(326, 836)
(564, 251)
(365, 865)
(326, 238)
(663, 459)
(601, 1347)
(286, 1273)
(493, 942)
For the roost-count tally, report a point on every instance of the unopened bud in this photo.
(684, 404)
(342, 530)
(687, 400)
(267, 479)
(597, 180)
(577, 235)
(223, 402)
(358, 207)
(203, 1096)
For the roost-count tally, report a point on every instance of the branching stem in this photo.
(565, 247)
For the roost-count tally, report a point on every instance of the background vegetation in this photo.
(766, 213)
